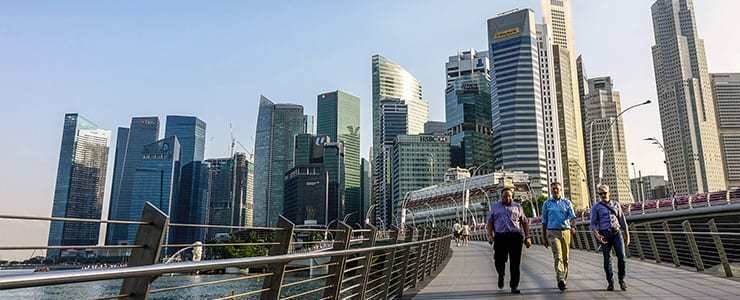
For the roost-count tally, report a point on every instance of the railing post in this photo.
(584, 237)
(653, 245)
(390, 261)
(342, 242)
(283, 237)
(692, 246)
(151, 237)
(404, 268)
(421, 261)
(429, 253)
(638, 245)
(368, 259)
(671, 244)
(577, 239)
(720, 248)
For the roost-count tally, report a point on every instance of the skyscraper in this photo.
(602, 107)
(549, 106)
(435, 128)
(393, 122)
(557, 16)
(309, 124)
(80, 183)
(366, 186)
(120, 156)
(516, 104)
(417, 161)
(190, 202)
(191, 133)
(338, 115)
(726, 88)
(392, 82)
(306, 195)
(143, 131)
(155, 180)
(468, 109)
(687, 114)
(229, 197)
(277, 126)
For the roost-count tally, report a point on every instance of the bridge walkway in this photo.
(470, 274)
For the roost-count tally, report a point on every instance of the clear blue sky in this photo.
(111, 60)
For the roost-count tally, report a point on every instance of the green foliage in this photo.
(241, 251)
(527, 206)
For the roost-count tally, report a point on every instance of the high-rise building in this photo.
(652, 186)
(435, 128)
(516, 104)
(338, 115)
(309, 124)
(318, 154)
(155, 180)
(229, 192)
(417, 161)
(190, 202)
(120, 155)
(726, 88)
(390, 81)
(306, 195)
(366, 186)
(142, 131)
(468, 109)
(549, 106)
(687, 114)
(393, 122)
(602, 107)
(277, 126)
(191, 133)
(80, 183)
(557, 16)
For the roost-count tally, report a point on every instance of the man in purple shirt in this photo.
(608, 223)
(507, 228)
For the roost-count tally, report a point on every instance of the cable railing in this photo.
(298, 263)
(705, 245)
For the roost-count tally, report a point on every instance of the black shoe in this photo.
(610, 287)
(561, 285)
(515, 291)
(622, 285)
(500, 282)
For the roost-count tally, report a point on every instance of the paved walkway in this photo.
(470, 275)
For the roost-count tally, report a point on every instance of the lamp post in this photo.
(457, 216)
(367, 214)
(603, 140)
(347, 216)
(667, 161)
(466, 199)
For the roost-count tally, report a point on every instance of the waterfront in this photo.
(107, 288)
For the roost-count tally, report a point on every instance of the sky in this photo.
(111, 60)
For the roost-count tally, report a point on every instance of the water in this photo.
(99, 289)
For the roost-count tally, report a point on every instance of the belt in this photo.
(558, 229)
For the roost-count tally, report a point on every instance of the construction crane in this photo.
(235, 142)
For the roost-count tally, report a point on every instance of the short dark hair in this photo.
(556, 183)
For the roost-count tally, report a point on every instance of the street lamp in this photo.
(466, 199)
(667, 161)
(603, 140)
(367, 215)
(347, 216)
(457, 216)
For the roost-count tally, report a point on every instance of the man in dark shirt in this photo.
(607, 225)
(507, 228)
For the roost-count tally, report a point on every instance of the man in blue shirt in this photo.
(607, 224)
(558, 223)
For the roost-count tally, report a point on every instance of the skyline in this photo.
(90, 83)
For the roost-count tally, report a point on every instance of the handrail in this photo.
(53, 278)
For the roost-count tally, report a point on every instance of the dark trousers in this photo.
(508, 246)
(613, 240)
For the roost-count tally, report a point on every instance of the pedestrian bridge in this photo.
(669, 258)
(470, 274)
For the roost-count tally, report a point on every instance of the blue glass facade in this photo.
(516, 106)
(277, 126)
(155, 180)
(80, 183)
(191, 133)
(143, 131)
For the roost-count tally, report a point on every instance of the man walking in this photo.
(558, 223)
(457, 228)
(607, 225)
(507, 228)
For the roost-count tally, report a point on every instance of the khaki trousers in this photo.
(560, 243)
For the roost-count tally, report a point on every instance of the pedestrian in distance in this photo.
(508, 229)
(609, 227)
(558, 225)
(466, 233)
(457, 230)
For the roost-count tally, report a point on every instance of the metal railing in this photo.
(354, 264)
(701, 244)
